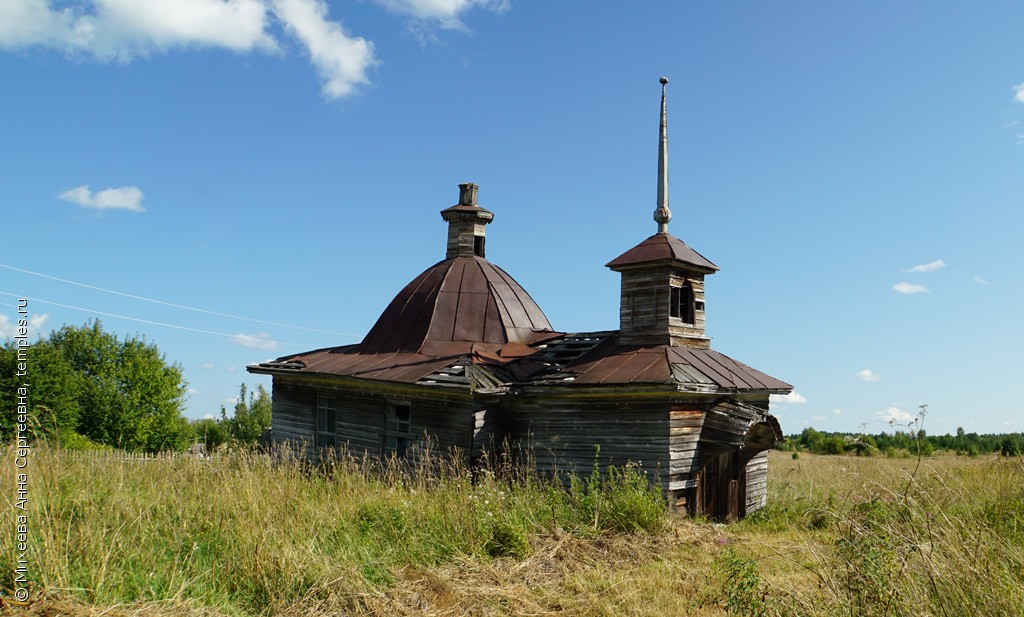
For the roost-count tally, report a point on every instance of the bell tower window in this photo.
(681, 303)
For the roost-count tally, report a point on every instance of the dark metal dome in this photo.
(459, 300)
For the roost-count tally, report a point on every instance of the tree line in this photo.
(90, 388)
(902, 443)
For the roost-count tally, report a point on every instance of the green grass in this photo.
(243, 535)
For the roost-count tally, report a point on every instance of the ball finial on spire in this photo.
(663, 80)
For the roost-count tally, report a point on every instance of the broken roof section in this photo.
(579, 359)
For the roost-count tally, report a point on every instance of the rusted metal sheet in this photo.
(459, 299)
(609, 363)
(724, 371)
(662, 247)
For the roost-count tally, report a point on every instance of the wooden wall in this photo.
(447, 420)
(757, 482)
(564, 434)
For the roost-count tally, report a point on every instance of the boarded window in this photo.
(326, 421)
(397, 429)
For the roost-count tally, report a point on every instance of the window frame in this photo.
(325, 421)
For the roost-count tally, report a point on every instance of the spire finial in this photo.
(662, 215)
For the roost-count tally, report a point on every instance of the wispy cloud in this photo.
(818, 418)
(340, 60)
(1018, 93)
(260, 340)
(10, 329)
(895, 415)
(837, 412)
(866, 375)
(442, 13)
(206, 366)
(928, 267)
(121, 198)
(909, 288)
(979, 280)
(791, 398)
(126, 30)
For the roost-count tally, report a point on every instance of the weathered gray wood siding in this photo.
(685, 424)
(757, 482)
(563, 434)
(444, 421)
(293, 416)
(644, 307)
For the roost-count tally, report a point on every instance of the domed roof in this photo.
(464, 299)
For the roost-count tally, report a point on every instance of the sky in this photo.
(237, 180)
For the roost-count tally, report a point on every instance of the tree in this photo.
(128, 395)
(212, 432)
(52, 393)
(251, 417)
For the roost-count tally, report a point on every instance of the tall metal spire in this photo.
(662, 215)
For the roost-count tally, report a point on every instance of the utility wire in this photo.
(171, 304)
(157, 323)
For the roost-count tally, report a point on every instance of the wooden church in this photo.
(464, 357)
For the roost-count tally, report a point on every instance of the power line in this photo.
(156, 323)
(171, 304)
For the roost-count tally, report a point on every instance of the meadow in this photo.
(240, 534)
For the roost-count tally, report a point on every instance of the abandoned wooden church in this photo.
(464, 357)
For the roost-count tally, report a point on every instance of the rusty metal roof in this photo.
(458, 309)
(463, 299)
(612, 364)
(588, 358)
(662, 247)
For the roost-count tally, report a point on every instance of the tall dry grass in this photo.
(251, 535)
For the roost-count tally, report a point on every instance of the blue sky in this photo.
(855, 170)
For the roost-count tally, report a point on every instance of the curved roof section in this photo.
(458, 300)
(662, 247)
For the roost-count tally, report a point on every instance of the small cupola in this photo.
(466, 221)
(662, 300)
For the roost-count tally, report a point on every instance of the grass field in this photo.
(237, 535)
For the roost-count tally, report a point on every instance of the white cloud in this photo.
(792, 397)
(979, 280)
(895, 415)
(837, 412)
(9, 329)
(192, 391)
(909, 288)
(122, 30)
(1018, 93)
(121, 198)
(232, 369)
(444, 12)
(125, 29)
(260, 340)
(866, 375)
(928, 267)
(818, 418)
(27, 23)
(206, 366)
(341, 60)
